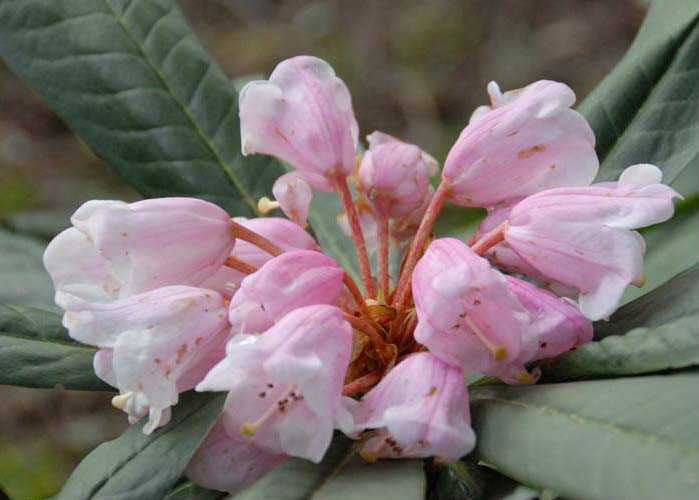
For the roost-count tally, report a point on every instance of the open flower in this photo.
(395, 175)
(287, 282)
(284, 386)
(583, 237)
(303, 115)
(467, 314)
(556, 326)
(229, 463)
(420, 410)
(148, 343)
(526, 141)
(117, 249)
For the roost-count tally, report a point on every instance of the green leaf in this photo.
(190, 491)
(657, 332)
(323, 219)
(131, 78)
(671, 248)
(464, 481)
(342, 476)
(644, 111)
(36, 351)
(139, 467)
(385, 479)
(24, 280)
(621, 439)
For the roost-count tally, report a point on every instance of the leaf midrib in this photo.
(184, 108)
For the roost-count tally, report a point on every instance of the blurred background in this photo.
(415, 70)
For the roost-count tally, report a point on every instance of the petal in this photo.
(142, 241)
(294, 196)
(530, 141)
(77, 269)
(303, 115)
(227, 464)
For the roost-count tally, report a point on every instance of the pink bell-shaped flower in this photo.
(527, 141)
(287, 282)
(282, 232)
(557, 326)
(395, 175)
(420, 410)
(229, 463)
(118, 249)
(467, 315)
(148, 343)
(285, 386)
(582, 237)
(302, 115)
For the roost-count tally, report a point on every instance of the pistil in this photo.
(499, 352)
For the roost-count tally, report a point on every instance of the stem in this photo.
(357, 235)
(423, 232)
(361, 383)
(240, 265)
(490, 239)
(382, 255)
(368, 328)
(245, 234)
(356, 295)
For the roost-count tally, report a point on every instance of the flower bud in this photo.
(420, 409)
(529, 140)
(302, 115)
(287, 282)
(285, 385)
(395, 175)
(582, 237)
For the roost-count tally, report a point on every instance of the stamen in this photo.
(119, 402)
(279, 406)
(265, 205)
(640, 281)
(499, 352)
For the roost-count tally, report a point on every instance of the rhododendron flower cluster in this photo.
(176, 294)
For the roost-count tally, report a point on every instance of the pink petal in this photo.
(528, 142)
(303, 115)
